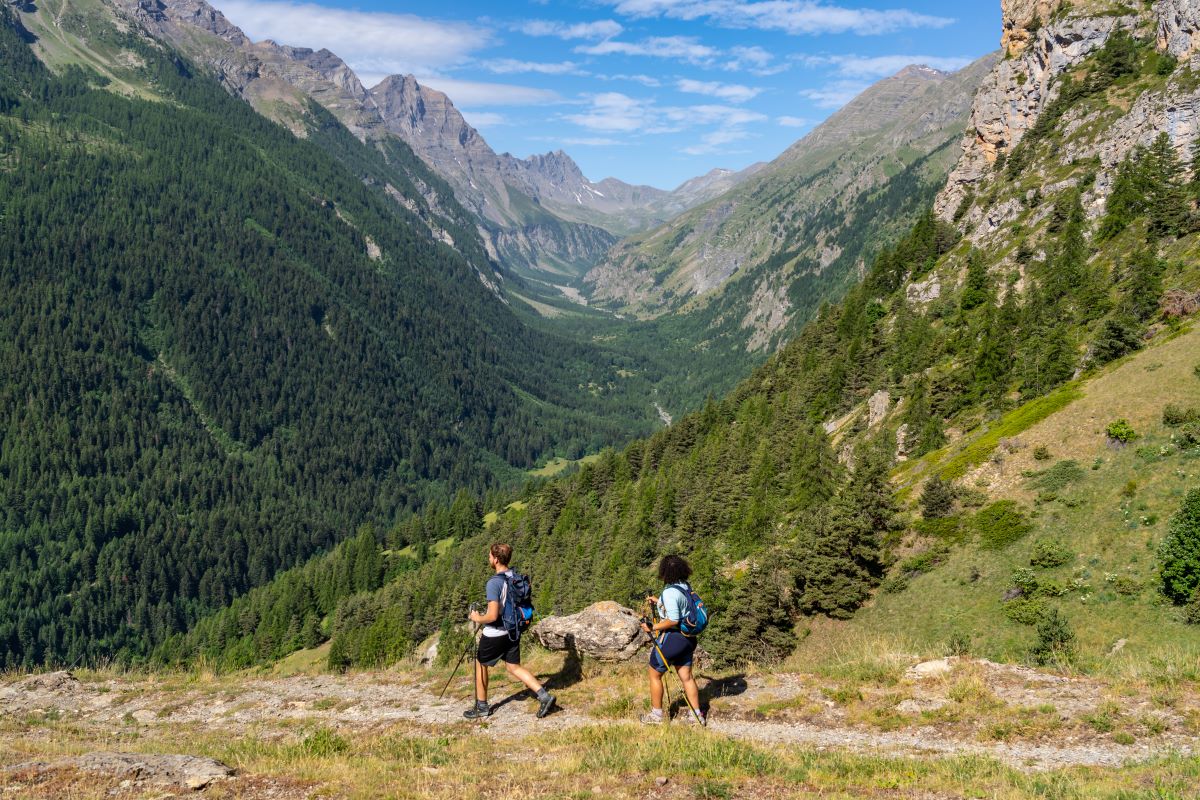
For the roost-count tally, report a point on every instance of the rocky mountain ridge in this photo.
(800, 215)
(537, 213)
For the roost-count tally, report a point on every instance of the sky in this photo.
(648, 91)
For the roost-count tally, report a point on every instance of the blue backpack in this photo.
(695, 615)
(516, 609)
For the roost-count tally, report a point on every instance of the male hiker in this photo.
(675, 646)
(501, 640)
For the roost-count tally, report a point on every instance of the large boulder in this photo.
(606, 631)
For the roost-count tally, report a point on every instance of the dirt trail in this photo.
(272, 707)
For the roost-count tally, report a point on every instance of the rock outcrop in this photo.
(1014, 94)
(606, 631)
(137, 769)
(1044, 41)
(1178, 27)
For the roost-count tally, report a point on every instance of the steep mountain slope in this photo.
(993, 363)
(222, 349)
(811, 216)
(538, 213)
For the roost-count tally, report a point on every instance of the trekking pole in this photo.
(470, 646)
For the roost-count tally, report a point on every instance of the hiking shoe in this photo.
(477, 712)
(688, 718)
(545, 706)
(654, 719)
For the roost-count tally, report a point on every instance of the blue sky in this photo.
(649, 91)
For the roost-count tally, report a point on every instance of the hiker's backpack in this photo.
(516, 608)
(695, 615)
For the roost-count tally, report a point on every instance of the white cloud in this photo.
(853, 66)
(714, 141)
(614, 112)
(793, 122)
(600, 29)
(790, 16)
(593, 141)
(753, 59)
(374, 44)
(644, 80)
(483, 119)
(474, 93)
(732, 92)
(508, 66)
(836, 94)
(683, 48)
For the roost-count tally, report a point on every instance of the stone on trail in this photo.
(191, 772)
(606, 631)
(55, 682)
(930, 669)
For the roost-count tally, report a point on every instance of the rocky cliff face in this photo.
(1017, 92)
(1014, 94)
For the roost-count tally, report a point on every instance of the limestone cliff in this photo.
(1047, 40)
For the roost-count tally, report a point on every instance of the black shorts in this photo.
(677, 648)
(494, 648)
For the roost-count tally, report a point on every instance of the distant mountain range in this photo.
(536, 214)
(753, 263)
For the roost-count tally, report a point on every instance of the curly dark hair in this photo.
(673, 569)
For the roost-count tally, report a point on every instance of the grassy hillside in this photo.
(1103, 506)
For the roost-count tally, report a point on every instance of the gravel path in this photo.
(367, 701)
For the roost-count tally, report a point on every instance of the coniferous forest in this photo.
(205, 373)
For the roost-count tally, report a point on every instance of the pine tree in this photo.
(1168, 202)
(1144, 276)
(754, 626)
(925, 433)
(1127, 200)
(840, 556)
(979, 288)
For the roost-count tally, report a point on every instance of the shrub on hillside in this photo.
(1191, 614)
(1058, 477)
(1026, 610)
(937, 498)
(1049, 553)
(1174, 416)
(1188, 435)
(1179, 556)
(1121, 432)
(1056, 642)
(1001, 523)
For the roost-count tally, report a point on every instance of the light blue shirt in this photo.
(672, 603)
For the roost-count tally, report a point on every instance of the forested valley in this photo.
(222, 350)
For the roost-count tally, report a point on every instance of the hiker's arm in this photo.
(488, 617)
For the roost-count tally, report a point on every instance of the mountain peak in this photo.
(921, 71)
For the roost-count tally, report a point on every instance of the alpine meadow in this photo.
(350, 455)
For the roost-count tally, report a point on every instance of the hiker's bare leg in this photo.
(689, 686)
(524, 676)
(656, 688)
(481, 682)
